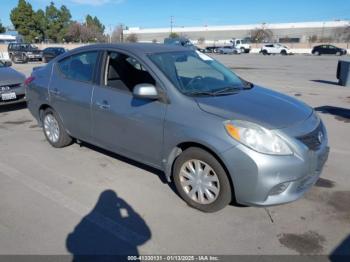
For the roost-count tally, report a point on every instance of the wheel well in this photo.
(42, 109)
(186, 145)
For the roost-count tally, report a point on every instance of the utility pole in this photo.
(171, 24)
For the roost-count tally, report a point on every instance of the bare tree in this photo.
(132, 38)
(313, 39)
(78, 32)
(201, 40)
(117, 34)
(260, 35)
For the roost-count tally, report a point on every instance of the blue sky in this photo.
(156, 13)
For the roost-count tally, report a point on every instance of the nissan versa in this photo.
(218, 137)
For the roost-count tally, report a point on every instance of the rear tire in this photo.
(54, 130)
(201, 181)
(283, 52)
(264, 52)
(317, 53)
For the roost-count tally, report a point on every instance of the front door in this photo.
(122, 123)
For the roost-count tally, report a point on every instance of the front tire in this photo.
(54, 130)
(201, 181)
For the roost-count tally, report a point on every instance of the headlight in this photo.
(257, 138)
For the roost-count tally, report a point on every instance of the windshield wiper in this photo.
(199, 93)
(227, 90)
(222, 91)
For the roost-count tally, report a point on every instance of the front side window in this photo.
(79, 67)
(125, 72)
(195, 73)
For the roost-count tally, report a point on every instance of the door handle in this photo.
(55, 91)
(104, 105)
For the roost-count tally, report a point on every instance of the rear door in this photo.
(122, 123)
(71, 88)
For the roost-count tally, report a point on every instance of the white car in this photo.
(275, 49)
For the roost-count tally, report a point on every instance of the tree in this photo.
(132, 38)
(23, 19)
(261, 35)
(94, 22)
(313, 39)
(201, 40)
(78, 32)
(117, 34)
(58, 21)
(40, 25)
(173, 35)
(2, 29)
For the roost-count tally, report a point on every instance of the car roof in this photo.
(137, 48)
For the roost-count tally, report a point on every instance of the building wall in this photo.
(303, 31)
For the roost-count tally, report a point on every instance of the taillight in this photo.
(29, 80)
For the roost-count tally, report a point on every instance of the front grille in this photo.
(4, 88)
(312, 140)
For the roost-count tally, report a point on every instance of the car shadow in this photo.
(342, 252)
(339, 112)
(326, 82)
(12, 107)
(129, 161)
(160, 174)
(112, 231)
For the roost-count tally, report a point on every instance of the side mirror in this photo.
(146, 91)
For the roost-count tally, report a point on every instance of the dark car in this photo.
(11, 85)
(21, 52)
(51, 52)
(328, 50)
(218, 137)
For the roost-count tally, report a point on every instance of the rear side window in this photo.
(79, 67)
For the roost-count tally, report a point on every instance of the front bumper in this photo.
(10, 94)
(256, 176)
(34, 56)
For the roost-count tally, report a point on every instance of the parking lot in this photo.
(65, 201)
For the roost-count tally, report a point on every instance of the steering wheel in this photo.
(193, 80)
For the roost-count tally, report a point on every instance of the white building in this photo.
(5, 39)
(295, 32)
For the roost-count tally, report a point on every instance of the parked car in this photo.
(275, 49)
(328, 50)
(218, 137)
(51, 52)
(11, 85)
(180, 41)
(229, 50)
(210, 49)
(20, 52)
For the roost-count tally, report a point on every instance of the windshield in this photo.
(194, 73)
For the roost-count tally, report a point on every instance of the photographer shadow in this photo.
(110, 232)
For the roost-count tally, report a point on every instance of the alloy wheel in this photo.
(51, 128)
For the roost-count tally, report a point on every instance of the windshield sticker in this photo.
(204, 57)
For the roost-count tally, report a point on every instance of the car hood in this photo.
(9, 76)
(259, 105)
